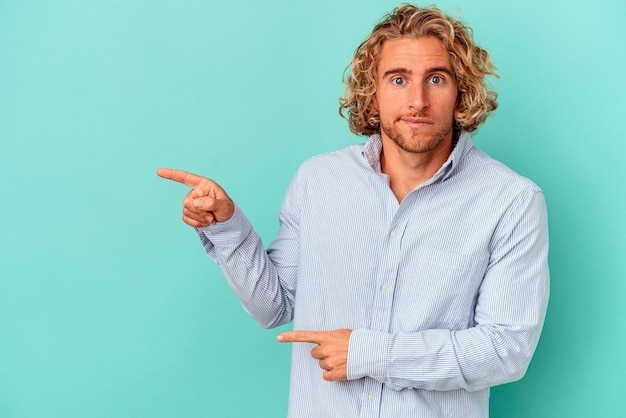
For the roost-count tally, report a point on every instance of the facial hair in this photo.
(414, 144)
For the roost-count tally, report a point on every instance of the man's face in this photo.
(416, 95)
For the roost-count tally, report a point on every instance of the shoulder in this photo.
(333, 162)
(331, 175)
(496, 174)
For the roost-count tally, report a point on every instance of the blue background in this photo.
(108, 305)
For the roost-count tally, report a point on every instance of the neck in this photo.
(408, 170)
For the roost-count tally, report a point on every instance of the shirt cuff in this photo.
(228, 233)
(367, 354)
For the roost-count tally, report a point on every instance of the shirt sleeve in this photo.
(264, 281)
(509, 315)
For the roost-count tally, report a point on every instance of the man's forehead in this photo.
(422, 51)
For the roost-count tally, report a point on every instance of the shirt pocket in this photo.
(437, 289)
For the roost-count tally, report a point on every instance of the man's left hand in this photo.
(331, 350)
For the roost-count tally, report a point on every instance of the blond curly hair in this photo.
(471, 64)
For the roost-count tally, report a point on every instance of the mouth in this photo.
(416, 121)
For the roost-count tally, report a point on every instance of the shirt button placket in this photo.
(370, 407)
(382, 310)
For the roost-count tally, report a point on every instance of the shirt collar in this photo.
(374, 146)
(371, 151)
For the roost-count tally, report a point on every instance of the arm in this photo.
(264, 285)
(509, 315)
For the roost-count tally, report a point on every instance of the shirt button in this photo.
(371, 397)
(393, 234)
(384, 288)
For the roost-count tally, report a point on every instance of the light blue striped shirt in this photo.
(446, 292)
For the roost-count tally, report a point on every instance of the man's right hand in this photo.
(206, 204)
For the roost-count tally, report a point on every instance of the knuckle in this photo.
(205, 183)
(297, 336)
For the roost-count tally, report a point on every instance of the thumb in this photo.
(222, 208)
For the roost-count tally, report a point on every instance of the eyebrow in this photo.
(402, 70)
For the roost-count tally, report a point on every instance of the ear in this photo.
(373, 106)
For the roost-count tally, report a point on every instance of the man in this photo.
(413, 266)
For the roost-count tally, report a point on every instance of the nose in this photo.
(418, 99)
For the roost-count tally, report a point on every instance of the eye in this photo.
(398, 81)
(436, 79)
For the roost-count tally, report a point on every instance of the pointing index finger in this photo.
(180, 176)
(300, 337)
